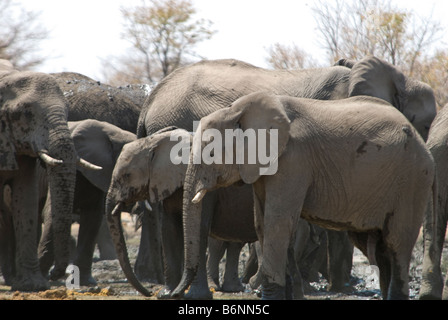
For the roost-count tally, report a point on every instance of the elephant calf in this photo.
(144, 170)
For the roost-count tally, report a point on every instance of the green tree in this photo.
(163, 35)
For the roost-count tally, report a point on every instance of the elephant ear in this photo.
(377, 78)
(168, 163)
(265, 115)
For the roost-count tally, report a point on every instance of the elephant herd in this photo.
(356, 150)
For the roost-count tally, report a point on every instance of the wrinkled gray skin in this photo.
(356, 165)
(34, 123)
(434, 229)
(144, 170)
(90, 99)
(98, 142)
(190, 93)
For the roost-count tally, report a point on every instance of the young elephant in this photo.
(147, 169)
(355, 164)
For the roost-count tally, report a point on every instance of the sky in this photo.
(84, 32)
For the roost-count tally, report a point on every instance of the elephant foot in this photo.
(344, 288)
(34, 282)
(87, 281)
(56, 274)
(232, 286)
(273, 291)
(255, 281)
(213, 284)
(431, 286)
(198, 293)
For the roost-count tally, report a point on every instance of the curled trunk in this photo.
(113, 214)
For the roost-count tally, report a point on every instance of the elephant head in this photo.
(33, 123)
(377, 78)
(140, 174)
(265, 116)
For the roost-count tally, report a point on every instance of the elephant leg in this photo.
(340, 260)
(104, 242)
(251, 264)
(295, 277)
(384, 266)
(434, 229)
(46, 244)
(7, 246)
(281, 214)
(216, 250)
(232, 282)
(91, 210)
(89, 225)
(172, 245)
(25, 217)
(149, 264)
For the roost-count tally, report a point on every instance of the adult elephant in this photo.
(34, 125)
(147, 169)
(355, 164)
(192, 92)
(98, 142)
(90, 99)
(434, 230)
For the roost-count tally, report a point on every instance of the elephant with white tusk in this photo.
(101, 143)
(33, 114)
(146, 170)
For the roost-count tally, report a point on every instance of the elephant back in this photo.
(90, 99)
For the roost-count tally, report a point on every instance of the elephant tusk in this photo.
(49, 160)
(85, 164)
(117, 209)
(147, 205)
(199, 196)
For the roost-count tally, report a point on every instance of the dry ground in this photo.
(112, 284)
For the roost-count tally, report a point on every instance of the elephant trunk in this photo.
(61, 180)
(113, 214)
(194, 229)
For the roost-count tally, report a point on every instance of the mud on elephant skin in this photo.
(147, 169)
(98, 142)
(34, 118)
(90, 99)
(356, 165)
